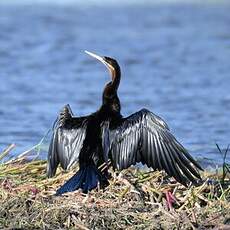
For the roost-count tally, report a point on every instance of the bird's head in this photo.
(110, 63)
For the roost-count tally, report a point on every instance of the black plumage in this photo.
(92, 140)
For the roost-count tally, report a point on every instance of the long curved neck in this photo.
(116, 77)
(110, 98)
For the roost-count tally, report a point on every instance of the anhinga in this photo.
(92, 140)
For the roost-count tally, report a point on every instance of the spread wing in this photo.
(67, 140)
(144, 137)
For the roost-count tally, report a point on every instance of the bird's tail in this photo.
(87, 178)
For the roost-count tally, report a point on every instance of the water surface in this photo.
(175, 61)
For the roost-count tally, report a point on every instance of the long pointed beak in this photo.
(99, 58)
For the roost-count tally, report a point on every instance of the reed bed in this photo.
(135, 199)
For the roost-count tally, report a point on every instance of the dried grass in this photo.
(134, 200)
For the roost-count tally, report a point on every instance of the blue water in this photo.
(175, 61)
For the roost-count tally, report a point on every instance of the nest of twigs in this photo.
(135, 199)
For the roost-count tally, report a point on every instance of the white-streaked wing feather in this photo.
(68, 136)
(145, 137)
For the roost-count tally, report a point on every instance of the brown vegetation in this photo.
(135, 199)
